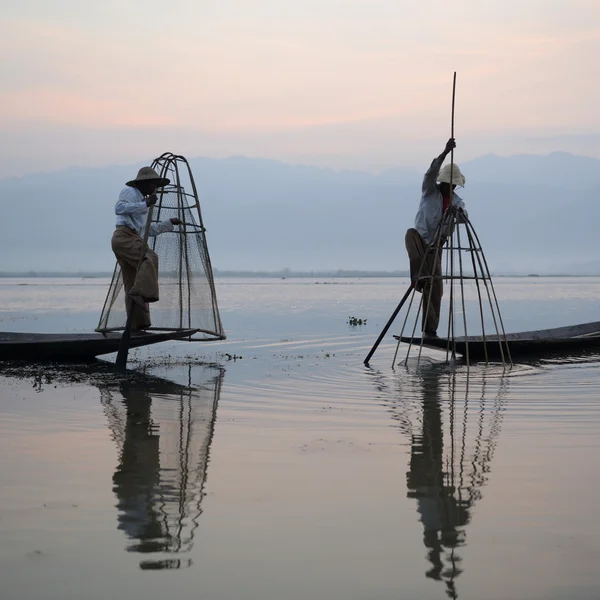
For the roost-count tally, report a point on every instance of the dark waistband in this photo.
(126, 228)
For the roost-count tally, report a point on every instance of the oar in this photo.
(121, 362)
(388, 325)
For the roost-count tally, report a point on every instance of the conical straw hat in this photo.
(148, 174)
(457, 177)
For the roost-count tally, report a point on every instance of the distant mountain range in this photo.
(533, 214)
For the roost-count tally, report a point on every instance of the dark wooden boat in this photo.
(74, 346)
(572, 338)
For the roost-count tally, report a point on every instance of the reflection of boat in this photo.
(453, 434)
(74, 346)
(542, 341)
(163, 432)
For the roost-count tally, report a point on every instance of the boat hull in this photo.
(560, 340)
(74, 346)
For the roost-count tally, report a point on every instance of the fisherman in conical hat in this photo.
(437, 197)
(141, 286)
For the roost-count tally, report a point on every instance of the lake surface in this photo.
(275, 465)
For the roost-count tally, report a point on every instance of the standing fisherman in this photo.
(141, 286)
(421, 244)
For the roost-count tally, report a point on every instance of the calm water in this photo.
(295, 472)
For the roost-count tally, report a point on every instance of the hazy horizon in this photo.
(415, 168)
(381, 148)
(264, 215)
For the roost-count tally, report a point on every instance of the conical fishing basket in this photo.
(188, 298)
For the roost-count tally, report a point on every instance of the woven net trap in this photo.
(188, 299)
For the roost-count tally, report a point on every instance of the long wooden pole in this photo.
(388, 325)
(451, 304)
(121, 362)
(452, 126)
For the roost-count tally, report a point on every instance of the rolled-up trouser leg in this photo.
(140, 317)
(146, 282)
(143, 283)
(416, 249)
(433, 291)
(425, 274)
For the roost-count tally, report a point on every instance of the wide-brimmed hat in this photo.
(457, 177)
(148, 174)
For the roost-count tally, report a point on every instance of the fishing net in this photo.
(188, 298)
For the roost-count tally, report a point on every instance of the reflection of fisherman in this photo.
(420, 240)
(441, 514)
(137, 476)
(163, 434)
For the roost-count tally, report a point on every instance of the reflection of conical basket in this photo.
(453, 433)
(188, 298)
(163, 435)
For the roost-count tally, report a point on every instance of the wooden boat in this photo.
(75, 346)
(542, 341)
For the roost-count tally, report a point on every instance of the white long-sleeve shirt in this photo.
(429, 213)
(132, 211)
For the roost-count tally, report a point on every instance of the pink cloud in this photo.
(68, 107)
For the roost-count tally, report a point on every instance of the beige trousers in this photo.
(128, 246)
(426, 275)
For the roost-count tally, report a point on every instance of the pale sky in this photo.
(342, 83)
